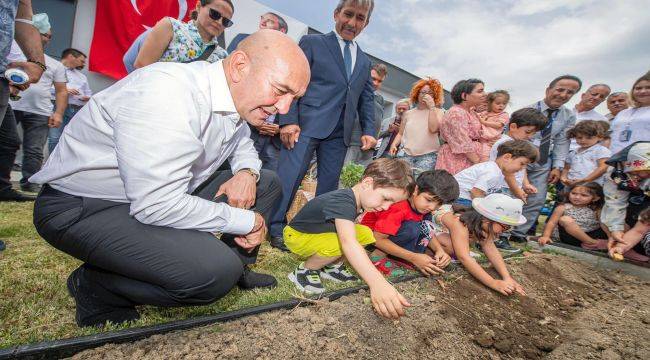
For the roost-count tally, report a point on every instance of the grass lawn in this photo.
(35, 305)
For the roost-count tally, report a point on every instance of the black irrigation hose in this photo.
(68, 347)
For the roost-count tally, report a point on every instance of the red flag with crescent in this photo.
(119, 22)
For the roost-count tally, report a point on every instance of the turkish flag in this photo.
(119, 22)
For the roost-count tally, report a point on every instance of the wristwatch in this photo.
(253, 172)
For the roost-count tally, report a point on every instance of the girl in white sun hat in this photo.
(488, 217)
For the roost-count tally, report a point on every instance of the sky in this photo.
(518, 46)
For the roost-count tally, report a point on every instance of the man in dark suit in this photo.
(322, 120)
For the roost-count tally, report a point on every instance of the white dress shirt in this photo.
(353, 49)
(77, 80)
(150, 140)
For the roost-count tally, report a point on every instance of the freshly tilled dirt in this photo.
(572, 311)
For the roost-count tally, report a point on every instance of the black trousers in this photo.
(130, 263)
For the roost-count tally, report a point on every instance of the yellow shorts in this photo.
(323, 244)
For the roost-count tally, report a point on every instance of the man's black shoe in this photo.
(13, 195)
(29, 187)
(278, 243)
(91, 311)
(2, 245)
(251, 280)
(518, 239)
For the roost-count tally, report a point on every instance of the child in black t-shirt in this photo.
(324, 232)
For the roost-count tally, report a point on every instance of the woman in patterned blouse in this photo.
(461, 128)
(172, 40)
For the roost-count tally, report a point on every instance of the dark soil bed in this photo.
(572, 312)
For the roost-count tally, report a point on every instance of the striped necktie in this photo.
(545, 143)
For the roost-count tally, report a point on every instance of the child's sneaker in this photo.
(338, 273)
(307, 280)
(503, 245)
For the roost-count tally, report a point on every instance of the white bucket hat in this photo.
(500, 208)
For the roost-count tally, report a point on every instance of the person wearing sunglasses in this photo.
(172, 40)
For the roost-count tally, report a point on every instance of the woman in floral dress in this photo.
(461, 129)
(172, 40)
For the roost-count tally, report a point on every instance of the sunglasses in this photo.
(216, 15)
(47, 36)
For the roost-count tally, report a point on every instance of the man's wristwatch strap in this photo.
(255, 174)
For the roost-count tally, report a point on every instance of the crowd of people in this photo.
(177, 219)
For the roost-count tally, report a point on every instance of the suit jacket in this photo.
(235, 41)
(329, 91)
(379, 117)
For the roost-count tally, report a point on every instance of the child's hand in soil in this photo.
(518, 288)
(426, 264)
(387, 302)
(504, 287)
(442, 259)
(543, 240)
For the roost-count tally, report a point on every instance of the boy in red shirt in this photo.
(402, 231)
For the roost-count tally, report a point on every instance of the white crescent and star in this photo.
(182, 10)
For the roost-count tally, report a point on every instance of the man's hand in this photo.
(33, 71)
(55, 120)
(289, 135)
(368, 142)
(267, 129)
(554, 176)
(253, 239)
(73, 92)
(393, 127)
(426, 264)
(392, 150)
(240, 190)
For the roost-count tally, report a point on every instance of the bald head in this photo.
(265, 73)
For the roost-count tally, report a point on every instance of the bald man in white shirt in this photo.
(132, 189)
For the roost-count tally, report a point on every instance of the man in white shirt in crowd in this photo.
(589, 100)
(34, 110)
(585, 108)
(78, 92)
(133, 189)
(617, 102)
